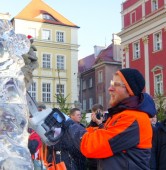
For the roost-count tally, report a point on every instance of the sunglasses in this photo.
(116, 84)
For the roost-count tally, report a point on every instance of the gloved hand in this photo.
(57, 132)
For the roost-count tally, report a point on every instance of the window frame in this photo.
(32, 32)
(33, 91)
(100, 99)
(47, 63)
(62, 88)
(46, 92)
(158, 85)
(90, 103)
(45, 37)
(84, 104)
(47, 16)
(90, 82)
(157, 43)
(131, 17)
(100, 76)
(154, 5)
(83, 84)
(61, 63)
(136, 52)
(60, 38)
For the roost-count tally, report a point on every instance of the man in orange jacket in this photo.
(123, 142)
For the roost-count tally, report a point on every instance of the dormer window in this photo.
(48, 17)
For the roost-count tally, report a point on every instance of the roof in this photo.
(106, 54)
(35, 8)
(86, 63)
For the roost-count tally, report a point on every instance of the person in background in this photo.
(66, 151)
(154, 123)
(76, 116)
(158, 154)
(97, 109)
(35, 144)
(124, 140)
(154, 120)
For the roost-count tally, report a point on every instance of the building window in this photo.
(46, 34)
(32, 32)
(132, 17)
(59, 36)
(60, 90)
(60, 62)
(32, 91)
(48, 17)
(90, 103)
(157, 41)
(46, 61)
(158, 84)
(84, 85)
(84, 105)
(100, 99)
(100, 76)
(136, 50)
(90, 82)
(154, 5)
(46, 92)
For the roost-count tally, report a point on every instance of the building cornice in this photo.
(142, 23)
(143, 28)
(52, 44)
(134, 6)
(107, 62)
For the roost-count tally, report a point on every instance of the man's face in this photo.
(76, 117)
(117, 91)
(153, 120)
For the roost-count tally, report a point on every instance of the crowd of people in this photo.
(128, 137)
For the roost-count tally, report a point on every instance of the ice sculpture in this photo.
(14, 154)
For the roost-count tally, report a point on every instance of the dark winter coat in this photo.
(67, 152)
(158, 159)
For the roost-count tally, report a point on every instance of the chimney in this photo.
(116, 42)
(97, 50)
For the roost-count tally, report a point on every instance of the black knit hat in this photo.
(133, 80)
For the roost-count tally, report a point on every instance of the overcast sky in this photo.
(97, 20)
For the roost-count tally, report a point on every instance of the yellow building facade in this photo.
(56, 40)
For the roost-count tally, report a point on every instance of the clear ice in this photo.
(14, 153)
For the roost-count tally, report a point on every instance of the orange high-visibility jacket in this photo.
(128, 128)
(124, 140)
